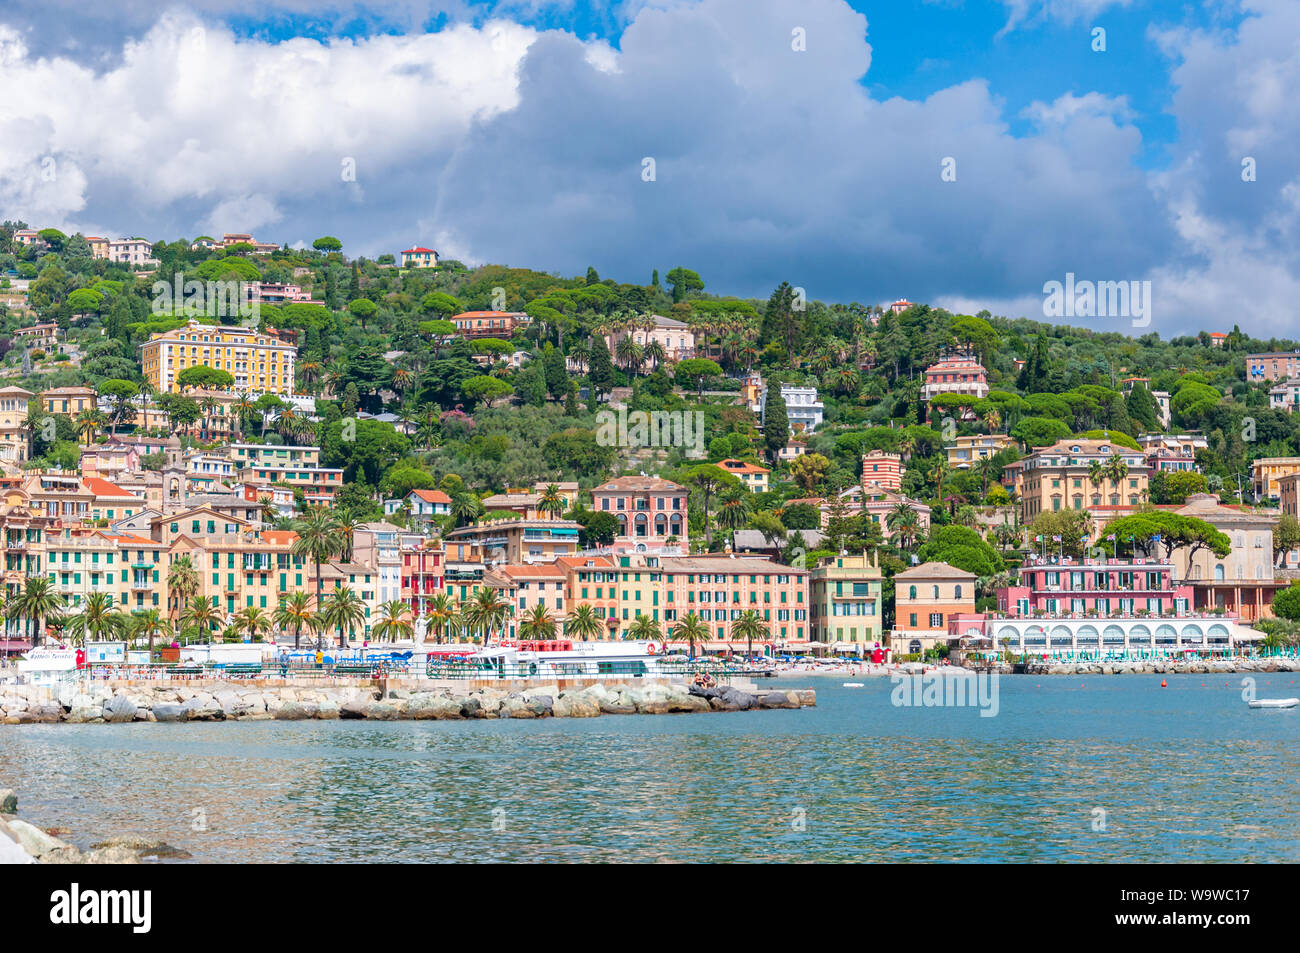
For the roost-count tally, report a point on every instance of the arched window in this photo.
(1219, 573)
(959, 592)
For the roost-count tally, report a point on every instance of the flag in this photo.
(1111, 536)
(1056, 539)
(1038, 539)
(1155, 538)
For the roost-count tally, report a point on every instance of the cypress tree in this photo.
(776, 423)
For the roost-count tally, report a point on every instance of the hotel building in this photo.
(925, 598)
(844, 600)
(260, 363)
(1058, 478)
(648, 510)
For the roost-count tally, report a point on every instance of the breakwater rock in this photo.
(24, 843)
(1198, 666)
(102, 703)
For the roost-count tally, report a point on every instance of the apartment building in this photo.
(968, 450)
(1274, 366)
(489, 324)
(1061, 477)
(846, 609)
(648, 509)
(751, 476)
(260, 363)
(15, 441)
(925, 598)
(1265, 474)
(882, 470)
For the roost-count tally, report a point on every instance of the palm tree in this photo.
(394, 622)
(904, 522)
(440, 610)
(243, 408)
(294, 613)
(645, 628)
(88, 423)
(465, 508)
(346, 526)
(552, 501)
(692, 629)
(486, 612)
(201, 616)
(252, 620)
(318, 540)
(584, 625)
(537, 623)
(149, 624)
(749, 626)
(37, 602)
(1116, 472)
(98, 617)
(342, 611)
(182, 584)
(734, 508)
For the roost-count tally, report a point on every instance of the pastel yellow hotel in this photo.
(260, 363)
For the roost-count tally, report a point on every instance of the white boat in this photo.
(563, 658)
(853, 684)
(1274, 702)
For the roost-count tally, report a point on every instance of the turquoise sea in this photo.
(1094, 768)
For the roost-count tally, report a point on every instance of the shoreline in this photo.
(119, 702)
(1171, 666)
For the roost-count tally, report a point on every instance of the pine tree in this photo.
(553, 368)
(781, 323)
(1142, 409)
(600, 368)
(592, 277)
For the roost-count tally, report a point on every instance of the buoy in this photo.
(1162, 683)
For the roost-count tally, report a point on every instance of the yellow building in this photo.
(260, 363)
(1266, 472)
(15, 445)
(1060, 477)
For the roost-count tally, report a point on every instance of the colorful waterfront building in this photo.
(844, 602)
(649, 510)
(925, 596)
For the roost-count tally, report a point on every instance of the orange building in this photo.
(925, 597)
(883, 470)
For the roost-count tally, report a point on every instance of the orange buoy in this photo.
(1162, 683)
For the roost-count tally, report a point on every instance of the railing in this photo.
(461, 668)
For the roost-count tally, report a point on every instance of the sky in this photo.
(963, 153)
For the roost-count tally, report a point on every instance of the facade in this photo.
(1285, 396)
(1275, 366)
(70, 401)
(968, 450)
(15, 442)
(925, 598)
(956, 375)
(846, 610)
(1097, 587)
(260, 363)
(648, 510)
(1264, 473)
(131, 251)
(43, 336)
(502, 541)
(1123, 635)
(489, 324)
(877, 504)
(1172, 453)
(1060, 477)
(422, 506)
(803, 408)
(752, 476)
(675, 337)
(419, 257)
(882, 470)
(1242, 583)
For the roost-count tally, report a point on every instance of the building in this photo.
(501, 541)
(877, 504)
(959, 374)
(752, 476)
(70, 401)
(882, 470)
(901, 305)
(803, 408)
(1131, 635)
(925, 597)
(27, 236)
(968, 450)
(1217, 338)
(1278, 366)
(318, 484)
(15, 442)
(675, 337)
(648, 510)
(423, 573)
(1099, 587)
(42, 336)
(1288, 490)
(278, 455)
(1061, 477)
(131, 251)
(1242, 583)
(260, 363)
(1264, 475)
(844, 601)
(592, 581)
(421, 506)
(489, 324)
(419, 257)
(230, 239)
(1172, 453)
(529, 586)
(268, 292)
(1285, 396)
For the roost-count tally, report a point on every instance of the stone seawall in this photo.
(111, 701)
(1230, 666)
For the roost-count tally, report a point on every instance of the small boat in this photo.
(1274, 702)
(853, 684)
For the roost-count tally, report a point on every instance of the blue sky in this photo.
(517, 132)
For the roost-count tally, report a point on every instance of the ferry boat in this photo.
(558, 658)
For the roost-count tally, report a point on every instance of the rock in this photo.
(142, 845)
(807, 697)
(86, 715)
(470, 707)
(119, 708)
(541, 705)
(8, 801)
(112, 855)
(427, 706)
(169, 712)
(203, 707)
(575, 705)
(384, 711)
(355, 707)
(733, 699)
(292, 711)
(328, 710)
(515, 706)
(32, 839)
(777, 700)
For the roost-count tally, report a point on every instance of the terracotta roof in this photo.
(740, 466)
(727, 564)
(432, 496)
(102, 487)
(279, 537)
(638, 483)
(932, 570)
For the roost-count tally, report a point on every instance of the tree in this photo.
(683, 281)
(537, 624)
(36, 603)
(749, 626)
(148, 625)
(645, 628)
(691, 629)
(697, 369)
(1142, 409)
(783, 324)
(394, 622)
(551, 502)
(327, 243)
(182, 584)
(486, 613)
(294, 613)
(776, 424)
(343, 612)
(1157, 528)
(200, 617)
(440, 610)
(317, 540)
(600, 529)
(252, 620)
(1286, 535)
(600, 368)
(1286, 602)
(583, 624)
(208, 378)
(809, 471)
(98, 618)
(708, 478)
(486, 389)
(363, 309)
(1072, 526)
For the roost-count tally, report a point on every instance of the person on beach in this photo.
(284, 664)
(320, 659)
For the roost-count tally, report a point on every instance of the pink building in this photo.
(956, 375)
(675, 337)
(648, 509)
(901, 305)
(1104, 587)
(270, 292)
